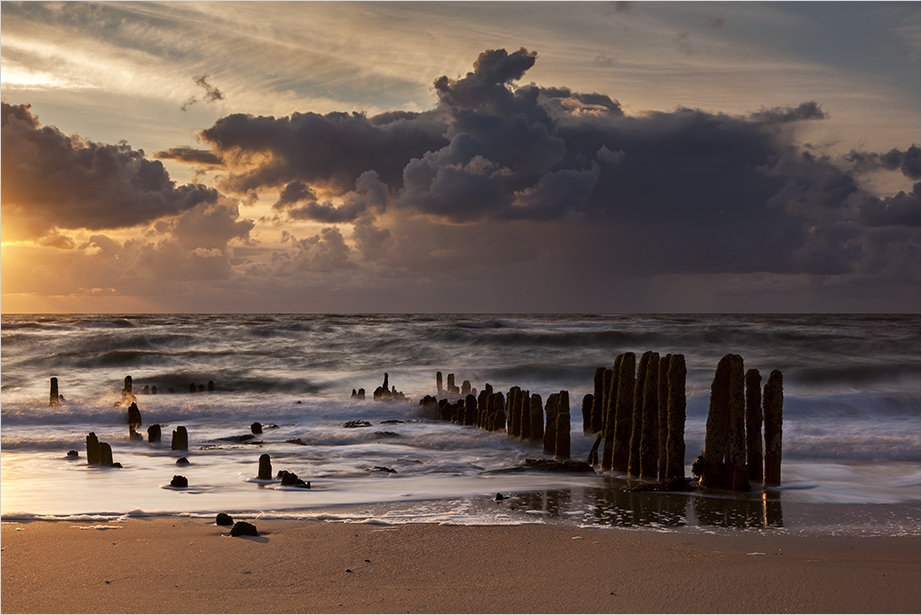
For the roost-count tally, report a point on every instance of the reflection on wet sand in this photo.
(616, 505)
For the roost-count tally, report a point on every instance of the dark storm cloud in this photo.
(679, 191)
(330, 150)
(51, 180)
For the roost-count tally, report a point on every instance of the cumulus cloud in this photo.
(52, 181)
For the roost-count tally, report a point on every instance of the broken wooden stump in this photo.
(54, 398)
(265, 467)
(180, 439)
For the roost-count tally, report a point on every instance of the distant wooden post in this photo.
(754, 426)
(438, 382)
(470, 409)
(265, 467)
(451, 383)
(773, 401)
(92, 449)
(54, 399)
(180, 439)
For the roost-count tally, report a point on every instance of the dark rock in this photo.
(290, 479)
(73, 454)
(392, 422)
(134, 435)
(355, 424)
(499, 497)
(182, 461)
(224, 519)
(548, 465)
(179, 481)
(384, 469)
(242, 528)
(115, 464)
(297, 441)
(211, 385)
(192, 387)
(256, 428)
(386, 434)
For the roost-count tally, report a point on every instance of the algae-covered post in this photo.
(754, 425)
(54, 399)
(773, 401)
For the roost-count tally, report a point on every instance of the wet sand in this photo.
(183, 565)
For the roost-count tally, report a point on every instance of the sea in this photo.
(851, 418)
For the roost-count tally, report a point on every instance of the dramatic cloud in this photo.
(54, 181)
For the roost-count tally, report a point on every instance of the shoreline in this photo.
(173, 564)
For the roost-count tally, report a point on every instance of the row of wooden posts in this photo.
(518, 413)
(637, 410)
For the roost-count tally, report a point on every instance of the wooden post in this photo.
(497, 420)
(470, 410)
(736, 456)
(54, 398)
(562, 426)
(624, 411)
(536, 414)
(633, 462)
(675, 402)
(438, 382)
(754, 426)
(663, 413)
(92, 449)
(265, 467)
(105, 455)
(550, 425)
(610, 394)
(649, 429)
(716, 436)
(180, 439)
(773, 402)
(153, 434)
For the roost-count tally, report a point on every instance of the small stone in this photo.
(179, 481)
(182, 461)
(224, 519)
(73, 454)
(242, 528)
(499, 497)
(354, 424)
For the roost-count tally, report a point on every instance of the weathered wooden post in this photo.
(438, 383)
(649, 430)
(754, 426)
(663, 412)
(497, 420)
(737, 454)
(562, 426)
(610, 396)
(511, 404)
(54, 398)
(105, 455)
(92, 449)
(126, 392)
(470, 409)
(524, 411)
(675, 408)
(451, 383)
(550, 425)
(265, 467)
(153, 434)
(633, 462)
(772, 406)
(466, 388)
(624, 411)
(134, 416)
(536, 414)
(180, 439)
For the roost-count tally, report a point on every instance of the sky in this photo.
(311, 157)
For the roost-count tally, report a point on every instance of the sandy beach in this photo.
(183, 565)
